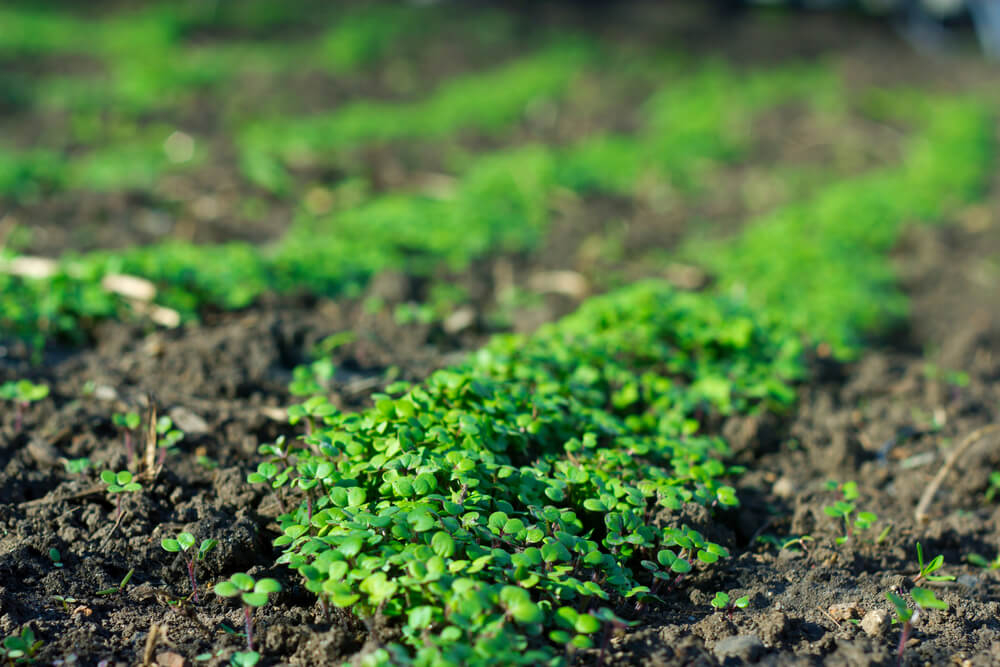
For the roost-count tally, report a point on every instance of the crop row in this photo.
(509, 505)
(525, 503)
(500, 201)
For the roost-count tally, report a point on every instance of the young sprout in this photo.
(169, 436)
(843, 509)
(924, 599)
(65, 601)
(55, 557)
(120, 587)
(23, 393)
(21, 648)
(118, 483)
(76, 466)
(927, 571)
(252, 594)
(183, 544)
(722, 602)
(128, 422)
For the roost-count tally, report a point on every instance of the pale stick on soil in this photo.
(139, 292)
(956, 454)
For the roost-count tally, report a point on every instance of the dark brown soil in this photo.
(885, 422)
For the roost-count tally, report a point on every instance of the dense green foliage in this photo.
(820, 265)
(500, 200)
(510, 503)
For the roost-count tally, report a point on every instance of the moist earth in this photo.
(885, 421)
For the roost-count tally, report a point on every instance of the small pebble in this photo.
(875, 622)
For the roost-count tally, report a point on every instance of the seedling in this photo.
(722, 602)
(927, 571)
(183, 544)
(244, 659)
(77, 466)
(979, 561)
(251, 593)
(169, 437)
(923, 599)
(128, 422)
(120, 587)
(21, 648)
(55, 557)
(843, 509)
(23, 393)
(64, 601)
(994, 488)
(119, 483)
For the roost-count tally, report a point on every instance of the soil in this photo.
(885, 421)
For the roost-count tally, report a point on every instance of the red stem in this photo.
(249, 623)
(194, 582)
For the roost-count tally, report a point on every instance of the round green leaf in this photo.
(255, 599)
(226, 589)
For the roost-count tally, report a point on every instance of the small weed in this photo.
(183, 543)
(120, 587)
(253, 594)
(844, 509)
(23, 393)
(994, 487)
(927, 571)
(167, 440)
(77, 466)
(65, 601)
(128, 422)
(120, 483)
(923, 599)
(21, 648)
(979, 561)
(723, 602)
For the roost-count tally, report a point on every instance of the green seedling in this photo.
(927, 571)
(792, 542)
(128, 422)
(55, 557)
(120, 587)
(979, 561)
(244, 659)
(77, 466)
(167, 440)
(312, 379)
(120, 483)
(844, 509)
(207, 463)
(923, 599)
(183, 544)
(994, 487)
(252, 593)
(312, 412)
(21, 648)
(23, 393)
(65, 601)
(205, 657)
(723, 602)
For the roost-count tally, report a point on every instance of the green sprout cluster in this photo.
(509, 504)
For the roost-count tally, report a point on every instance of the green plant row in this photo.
(483, 102)
(500, 202)
(151, 58)
(508, 505)
(821, 264)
